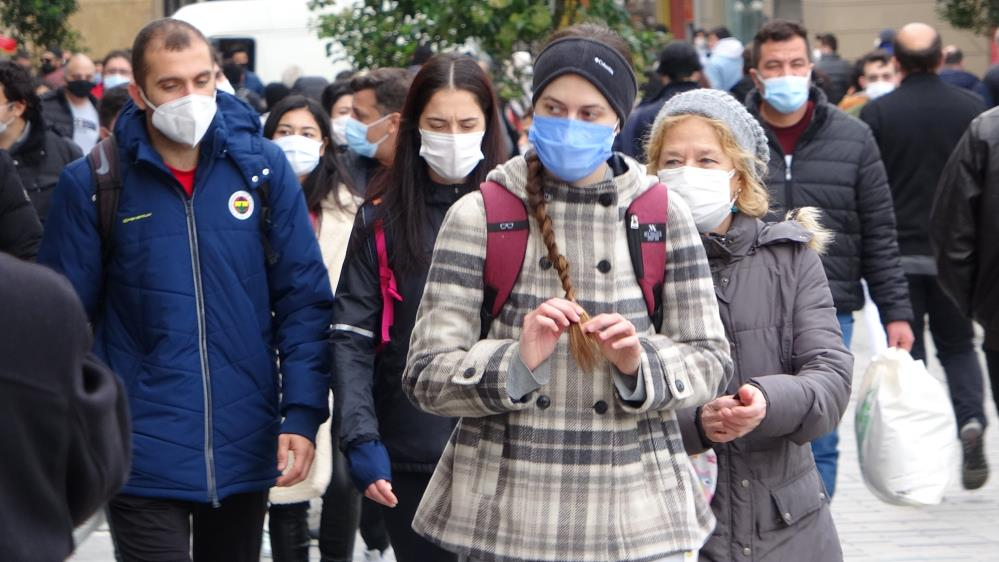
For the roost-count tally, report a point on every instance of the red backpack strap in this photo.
(646, 223)
(507, 230)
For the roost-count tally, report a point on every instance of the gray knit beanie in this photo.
(722, 106)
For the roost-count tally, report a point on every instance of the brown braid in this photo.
(584, 350)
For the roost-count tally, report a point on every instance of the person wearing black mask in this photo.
(71, 110)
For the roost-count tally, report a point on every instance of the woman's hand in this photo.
(727, 418)
(618, 341)
(543, 327)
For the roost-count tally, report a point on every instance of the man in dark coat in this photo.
(39, 154)
(66, 437)
(953, 73)
(20, 231)
(917, 127)
(820, 157)
(679, 70)
(71, 110)
(963, 232)
(836, 70)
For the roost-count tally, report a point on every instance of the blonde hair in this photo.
(753, 199)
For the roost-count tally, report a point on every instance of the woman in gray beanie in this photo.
(792, 372)
(568, 447)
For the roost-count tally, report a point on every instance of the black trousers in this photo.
(407, 545)
(953, 336)
(160, 530)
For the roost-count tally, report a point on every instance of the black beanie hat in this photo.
(599, 64)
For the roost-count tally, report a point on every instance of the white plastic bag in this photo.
(906, 432)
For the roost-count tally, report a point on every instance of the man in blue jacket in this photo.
(213, 279)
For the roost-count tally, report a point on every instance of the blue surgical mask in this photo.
(569, 148)
(115, 80)
(786, 94)
(357, 137)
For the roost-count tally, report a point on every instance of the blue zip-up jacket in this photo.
(189, 315)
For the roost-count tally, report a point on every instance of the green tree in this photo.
(40, 23)
(378, 33)
(981, 16)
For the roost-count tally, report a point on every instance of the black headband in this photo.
(598, 63)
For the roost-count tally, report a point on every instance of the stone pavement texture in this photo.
(964, 527)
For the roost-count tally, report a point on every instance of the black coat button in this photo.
(543, 402)
(604, 266)
(469, 373)
(606, 199)
(545, 263)
(600, 407)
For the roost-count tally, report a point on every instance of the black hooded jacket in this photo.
(367, 381)
(20, 231)
(39, 159)
(837, 168)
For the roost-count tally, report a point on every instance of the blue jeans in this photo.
(825, 449)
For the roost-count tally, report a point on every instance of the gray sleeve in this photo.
(631, 388)
(521, 381)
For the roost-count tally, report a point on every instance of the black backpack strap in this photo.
(103, 158)
(264, 193)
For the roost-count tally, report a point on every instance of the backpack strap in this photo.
(387, 284)
(103, 158)
(646, 223)
(507, 230)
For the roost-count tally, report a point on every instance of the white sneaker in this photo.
(373, 555)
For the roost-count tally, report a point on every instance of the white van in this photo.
(277, 34)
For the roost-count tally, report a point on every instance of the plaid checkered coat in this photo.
(572, 472)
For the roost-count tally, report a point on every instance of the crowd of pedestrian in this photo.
(478, 329)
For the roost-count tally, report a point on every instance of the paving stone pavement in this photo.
(965, 527)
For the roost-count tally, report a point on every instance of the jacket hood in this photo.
(234, 130)
(629, 180)
(747, 233)
(729, 47)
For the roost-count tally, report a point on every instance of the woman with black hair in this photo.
(449, 138)
(301, 127)
(338, 99)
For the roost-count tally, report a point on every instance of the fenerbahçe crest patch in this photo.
(241, 205)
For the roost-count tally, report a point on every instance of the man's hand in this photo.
(728, 418)
(900, 335)
(302, 453)
(381, 492)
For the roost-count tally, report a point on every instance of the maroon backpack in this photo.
(507, 229)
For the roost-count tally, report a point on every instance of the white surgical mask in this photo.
(184, 120)
(302, 152)
(339, 126)
(225, 86)
(115, 80)
(875, 90)
(708, 193)
(452, 156)
(5, 124)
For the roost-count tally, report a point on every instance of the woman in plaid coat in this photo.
(568, 450)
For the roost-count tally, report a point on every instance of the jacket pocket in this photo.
(791, 502)
(488, 455)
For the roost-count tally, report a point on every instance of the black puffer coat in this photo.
(367, 384)
(40, 159)
(20, 231)
(778, 315)
(837, 168)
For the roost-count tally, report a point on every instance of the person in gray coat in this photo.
(792, 370)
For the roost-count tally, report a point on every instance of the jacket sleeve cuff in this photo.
(691, 431)
(369, 462)
(303, 421)
(631, 388)
(521, 381)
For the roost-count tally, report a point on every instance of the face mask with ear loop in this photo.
(357, 136)
(7, 123)
(184, 120)
(707, 192)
